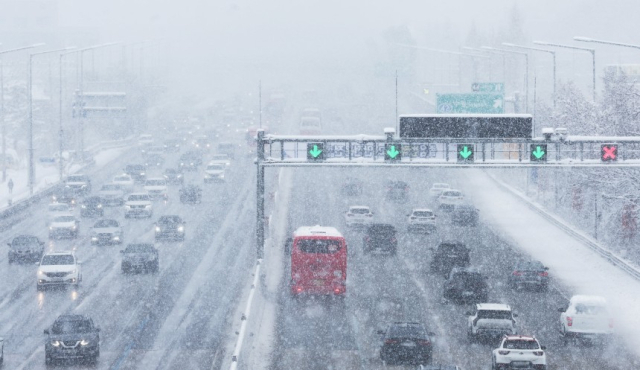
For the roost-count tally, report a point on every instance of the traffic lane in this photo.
(52, 315)
(313, 333)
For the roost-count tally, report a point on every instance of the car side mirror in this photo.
(46, 331)
(543, 347)
(561, 310)
(469, 313)
(381, 332)
(514, 315)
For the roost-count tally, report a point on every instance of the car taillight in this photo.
(299, 289)
(611, 323)
(413, 217)
(424, 342)
(544, 273)
(393, 240)
(367, 238)
(569, 321)
(349, 215)
(517, 273)
(390, 341)
(538, 353)
(503, 352)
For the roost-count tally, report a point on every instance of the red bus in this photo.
(318, 261)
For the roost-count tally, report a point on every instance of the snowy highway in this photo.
(321, 334)
(171, 319)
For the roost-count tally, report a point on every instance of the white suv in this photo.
(156, 187)
(421, 219)
(214, 172)
(449, 198)
(138, 204)
(519, 351)
(59, 268)
(587, 317)
(490, 320)
(358, 216)
(437, 188)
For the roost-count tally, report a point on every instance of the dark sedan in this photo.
(466, 286)
(65, 195)
(190, 161)
(465, 214)
(380, 237)
(91, 207)
(72, 337)
(406, 343)
(449, 255)
(529, 274)
(25, 248)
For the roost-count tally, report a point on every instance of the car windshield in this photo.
(24, 240)
(139, 248)
(383, 231)
(450, 248)
(57, 259)
(64, 219)
(215, 167)
(110, 187)
(409, 331)
(71, 327)
(105, 223)
(58, 208)
(122, 178)
(359, 211)
(530, 266)
(494, 314)
(520, 344)
(469, 277)
(590, 309)
(154, 182)
(423, 214)
(138, 197)
(451, 193)
(76, 179)
(321, 246)
(169, 220)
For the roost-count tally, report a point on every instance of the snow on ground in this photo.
(573, 264)
(46, 175)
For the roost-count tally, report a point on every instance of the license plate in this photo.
(318, 282)
(522, 364)
(466, 294)
(408, 344)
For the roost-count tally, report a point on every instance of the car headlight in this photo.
(180, 228)
(54, 198)
(157, 229)
(73, 201)
(84, 342)
(99, 205)
(73, 227)
(40, 272)
(142, 173)
(50, 227)
(182, 163)
(127, 206)
(83, 206)
(179, 176)
(55, 343)
(192, 164)
(74, 271)
(147, 206)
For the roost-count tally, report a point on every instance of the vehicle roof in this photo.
(317, 230)
(155, 178)
(588, 299)
(77, 175)
(355, 207)
(493, 307)
(72, 317)
(59, 253)
(519, 337)
(422, 210)
(147, 194)
(450, 190)
(170, 217)
(440, 184)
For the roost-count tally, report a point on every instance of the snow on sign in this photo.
(489, 103)
(488, 87)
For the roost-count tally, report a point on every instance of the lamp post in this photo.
(2, 122)
(30, 113)
(553, 54)
(593, 58)
(526, 72)
(588, 39)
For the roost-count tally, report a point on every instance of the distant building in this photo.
(632, 71)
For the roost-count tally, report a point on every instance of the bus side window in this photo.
(288, 246)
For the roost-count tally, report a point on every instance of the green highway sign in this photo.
(488, 87)
(315, 151)
(392, 152)
(488, 103)
(465, 152)
(538, 153)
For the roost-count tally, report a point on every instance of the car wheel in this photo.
(39, 287)
(48, 360)
(10, 260)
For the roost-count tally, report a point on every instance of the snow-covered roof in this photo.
(467, 115)
(588, 300)
(422, 210)
(520, 337)
(358, 207)
(317, 231)
(493, 307)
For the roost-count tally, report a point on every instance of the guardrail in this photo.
(587, 241)
(20, 206)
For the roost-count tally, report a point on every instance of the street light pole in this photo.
(504, 60)
(593, 59)
(553, 54)
(32, 174)
(526, 72)
(588, 39)
(2, 114)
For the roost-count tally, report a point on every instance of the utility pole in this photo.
(397, 118)
(260, 102)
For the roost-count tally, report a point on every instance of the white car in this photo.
(421, 219)
(437, 189)
(138, 204)
(59, 268)
(449, 198)
(519, 352)
(106, 232)
(214, 172)
(586, 317)
(57, 209)
(358, 216)
(81, 184)
(157, 188)
(490, 320)
(125, 181)
(145, 139)
(111, 195)
(64, 226)
(221, 158)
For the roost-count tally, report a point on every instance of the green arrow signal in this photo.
(315, 152)
(538, 153)
(465, 152)
(393, 152)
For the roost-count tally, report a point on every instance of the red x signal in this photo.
(609, 152)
